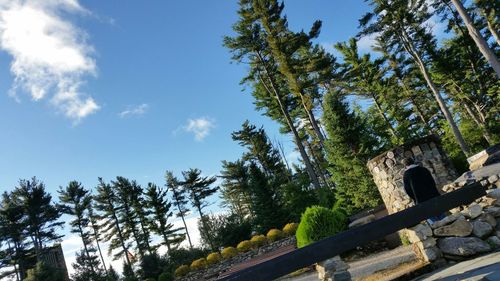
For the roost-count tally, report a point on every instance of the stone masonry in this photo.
(387, 170)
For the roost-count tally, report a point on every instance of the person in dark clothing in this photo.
(419, 184)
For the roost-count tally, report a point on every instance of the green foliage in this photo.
(259, 240)
(185, 256)
(198, 264)
(274, 235)
(229, 252)
(181, 271)
(167, 276)
(244, 246)
(347, 150)
(150, 279)
(151, 266)
(290, 228)
(318, 223)
(213, 258)
(404, 238)
(226, 229)
(43, 272)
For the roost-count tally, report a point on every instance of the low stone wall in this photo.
(468, 231)
(214, 270)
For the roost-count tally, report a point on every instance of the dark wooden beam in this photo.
(358, 236)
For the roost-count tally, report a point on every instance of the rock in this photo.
(418, 233)
(492, 179)
(363, 220)
(493, 193)
(486, 202)
(494, 241)
(486, 217)
(447, 220)
(459, 228)
(473, 211)
(493, 211)
(463, 246)
(481, 229)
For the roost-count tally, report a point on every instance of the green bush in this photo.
(168, 277)
(213, 258)
(274, 235)
(318, 223)
(198, 264)
(229, 252)
(180, 271)
(258, 240)
(290, 228)
(244, 246)
(150, 279)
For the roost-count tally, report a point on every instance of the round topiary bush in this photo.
(244, 246)
(259, 240)
(168, 277)
(274, 235)
(198, 264)
(180, 271)
(290, 228)
(229, 252)
(213, 258)
(318, 223)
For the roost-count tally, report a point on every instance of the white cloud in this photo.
(134, 110)
(367, 42)
(50, 56)
(200, 127)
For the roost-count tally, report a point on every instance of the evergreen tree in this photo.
(76, 201)
(235, 188)
(347, 151)
(83, 265)
(199, 188)
(96, 232)
(180, 200)
(157, 201)
(107, 204)
(143, 214)
(41, 214)
(401, 25)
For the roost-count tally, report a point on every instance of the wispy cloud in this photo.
(134, 110)
(200, 127)
(50, 56)
(367, 42)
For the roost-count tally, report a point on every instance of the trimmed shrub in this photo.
(168, 277)
(290, 228)
(259, 240)
(244, 246)
(198, 264)
(213, 258)
(318, 223)
(229, 252)
(274, 235)
(180, 271)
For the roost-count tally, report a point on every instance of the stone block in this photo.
(447, 220)
(493, 241)
(481, 229)
(459, 228)
(488, 217)
(418, 233)
(463, 246)
(430, 254)
(473, 211)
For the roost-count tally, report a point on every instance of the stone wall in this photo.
(467, 231)
(213, 271)
(387, 170)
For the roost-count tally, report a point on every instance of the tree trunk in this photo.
(205, 228)
(120, 235)
(382, 114)
(85, 245)
(181, 212)
(477, 37)
(493, 32)
(96, 237)
(146, 236)
(166, 242)
(273, 91)
(408, 44)
(478, 122)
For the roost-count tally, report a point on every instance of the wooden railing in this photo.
(357, 236)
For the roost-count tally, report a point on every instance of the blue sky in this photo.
(104, 88)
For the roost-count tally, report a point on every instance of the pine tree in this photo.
(41, 214)
(401, 25)
(76, 201)
(96, 232)
(347, 153)
(157, 202)
(235, 188)
(106, 203)
(143, 214)
(270, 90)
(180, 200)
(199, 188)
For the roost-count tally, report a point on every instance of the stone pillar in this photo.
(333, 269)
(387, 170)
